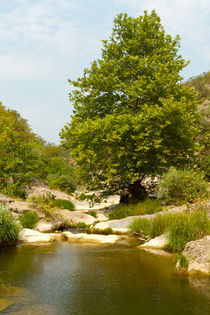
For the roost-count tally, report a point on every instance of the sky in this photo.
(45, 42)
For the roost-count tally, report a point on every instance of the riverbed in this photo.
(64, 278)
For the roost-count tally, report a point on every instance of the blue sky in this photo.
(45, 42)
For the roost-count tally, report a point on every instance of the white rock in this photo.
(31, 236)
(73, 217)
(158, 242)
(90, 238)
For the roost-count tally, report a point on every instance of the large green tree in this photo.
(132, 116)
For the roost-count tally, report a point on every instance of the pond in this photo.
(65, 278)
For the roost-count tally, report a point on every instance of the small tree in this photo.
(132, 117)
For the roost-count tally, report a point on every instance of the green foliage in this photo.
(132, 117)
(29, 219)
(201, 83)
(148, 206)
(141, 227)
(8, 228)
(161, 224)
(183, 261)
(63, 204)
(187, 227)
(93, 213)
(81, 225)
(182, 186)
(93, 230)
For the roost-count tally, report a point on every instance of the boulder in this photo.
(74, 217)
(48, 226)
(31, 236)
(198, 255)
(90, 238)
(158, 242)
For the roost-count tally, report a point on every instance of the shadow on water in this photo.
(66, 278)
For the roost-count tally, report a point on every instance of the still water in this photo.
(66, 278)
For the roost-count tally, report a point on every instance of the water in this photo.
(66, 278)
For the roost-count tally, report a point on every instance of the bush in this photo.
(63, 181)
(29, 219)
(106, 231)
(63, 204)
(187, 227)
(8, 228)
(81, 225)
(141, 227)
(182, 186)
(147, 206)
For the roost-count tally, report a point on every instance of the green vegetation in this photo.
(183, 261)
(182, 227)
(63, 204)
(23, 156)
(93, 213)
(132, 116)
(187, 227)
(92, 230)
(81, 225)
(148, 206)
(29, 219)
(182, 186)
(201, 83)
(8, 228)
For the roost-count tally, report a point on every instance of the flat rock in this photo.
(90, 238)
(74, 217)
(198, 255)
(158, 242)
(31, 236)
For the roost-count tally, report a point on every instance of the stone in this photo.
(46, 227)
(90, 238)
(31, 236)
(74, 217)
(158, 242)
(198, 255)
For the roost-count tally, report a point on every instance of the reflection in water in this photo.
(68, 278)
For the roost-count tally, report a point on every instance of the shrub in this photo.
(183, 261)
(181, 186)
(93, 213)
(121, 211)
(8, 228)
(29, 219)
(141, 227)
(42, 199)
(63, 181)
(187, 227)
(64, 204)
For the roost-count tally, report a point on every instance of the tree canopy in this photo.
(132, 116)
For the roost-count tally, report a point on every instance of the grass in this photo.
(183, 261)
(8, 228)
(93, 213)
(182, 227)
(148, 206)
(93, 230)
(63, 204)
(29, 219)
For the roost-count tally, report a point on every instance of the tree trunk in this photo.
(135, 192)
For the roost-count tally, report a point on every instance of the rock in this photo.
(101, 217)
(90, 238)
(73, 217)
(5, 199)
(4, 303)
(123, 224)
(46, 227)
(158, 242)
(19, 206)
(198, 255)
(31, 236)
